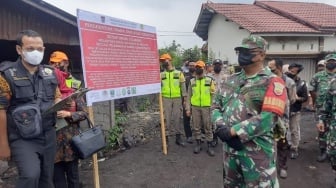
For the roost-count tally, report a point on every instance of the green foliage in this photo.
(144, 104)
(174, 50)
(192, 54)
(180, 55)
(120, 118)
(113, 138)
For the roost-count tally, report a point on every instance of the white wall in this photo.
(291, 45)
(224, 36)
(329, 44)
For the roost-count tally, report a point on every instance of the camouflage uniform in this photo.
(329, 109)
(241, 103)
(319, 84)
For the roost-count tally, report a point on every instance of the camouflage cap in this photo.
(253, 42)
(330, 57)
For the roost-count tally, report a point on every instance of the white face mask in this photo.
(33, 58)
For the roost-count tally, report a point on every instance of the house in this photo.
(59, 32)
(296, 31)
(57, 27)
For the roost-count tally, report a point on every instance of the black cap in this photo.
(217, 61)
(296, 65)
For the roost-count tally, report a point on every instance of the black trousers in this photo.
(35, 160)
(66, 174)
(186, 124)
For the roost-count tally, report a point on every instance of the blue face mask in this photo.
(245, 58)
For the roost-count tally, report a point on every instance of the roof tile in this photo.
(316, 14)
(259, 20)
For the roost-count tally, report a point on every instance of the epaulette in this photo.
(209, 77)
(6, 65)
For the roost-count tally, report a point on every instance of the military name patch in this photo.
(278, 88)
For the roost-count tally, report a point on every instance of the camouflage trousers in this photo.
(331, 144)
(250, 170)
(282, 153)
(322, 136)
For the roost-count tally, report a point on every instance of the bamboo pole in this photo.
(163, 130)
(94, 156)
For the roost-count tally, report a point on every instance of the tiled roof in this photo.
(271, 17)
(319, 15)
(259, 20)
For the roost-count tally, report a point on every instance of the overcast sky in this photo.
(173, 19)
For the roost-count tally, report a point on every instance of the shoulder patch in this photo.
(275, 97)
(47, 71)
(278, 88)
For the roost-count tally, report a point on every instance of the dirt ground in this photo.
(145, 166)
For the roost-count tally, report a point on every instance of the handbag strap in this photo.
(39, 92)
(90, 124)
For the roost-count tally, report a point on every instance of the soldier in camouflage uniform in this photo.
(219, 75)
(245, 111)
(328, 111)
(318, 90)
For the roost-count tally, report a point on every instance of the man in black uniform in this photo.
(27, 89)
(186, 119)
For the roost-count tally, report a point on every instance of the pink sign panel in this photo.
(117, 55)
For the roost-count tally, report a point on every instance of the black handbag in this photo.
(89, 142)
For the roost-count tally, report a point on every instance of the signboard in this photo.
(119, 57)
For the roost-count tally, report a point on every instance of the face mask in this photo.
(62, 68)
(273, 70)
(217, 69)
(165, 65)
(292, 76)
(245, 58)
(191, 69)
(330, 66)
(199, 71)
(33, 58)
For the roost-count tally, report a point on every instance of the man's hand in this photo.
(223, 132)
(188, 113)
(63, 114)
(320, 126)
(5, 152)
(227, 135)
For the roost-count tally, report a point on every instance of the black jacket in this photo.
(302, 93)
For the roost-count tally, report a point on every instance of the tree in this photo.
(180, 55)
(174, 51)
(192, 54)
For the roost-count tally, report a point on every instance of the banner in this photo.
(119, 57)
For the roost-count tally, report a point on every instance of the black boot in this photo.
(214, 141)
(198, 147)
(323, 156)
(179, 140)
(210, 151)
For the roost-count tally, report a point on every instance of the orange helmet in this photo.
(200, 64)
(165, 56)
(58, 56)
